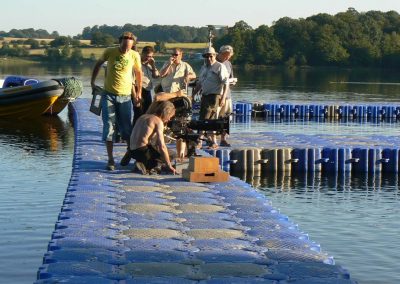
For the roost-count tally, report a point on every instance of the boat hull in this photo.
(29, 101)
(72, 90)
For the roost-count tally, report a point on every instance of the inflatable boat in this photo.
(72, 89)
(24, 97)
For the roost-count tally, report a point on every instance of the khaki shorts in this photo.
(227, 109)
(209, 106)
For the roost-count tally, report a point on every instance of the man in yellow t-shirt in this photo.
(123, 64)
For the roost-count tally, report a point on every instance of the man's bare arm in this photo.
(95, 72)
(161, 145)
(138, 77)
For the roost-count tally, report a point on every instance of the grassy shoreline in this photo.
(16, 60)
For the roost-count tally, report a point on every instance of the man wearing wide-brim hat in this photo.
(213, 83)
(224, 55)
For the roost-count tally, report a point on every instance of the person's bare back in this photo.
(144, 130)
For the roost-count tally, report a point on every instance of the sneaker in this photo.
(110, 166)
(141, 167)
(125, 159)
(224, 144)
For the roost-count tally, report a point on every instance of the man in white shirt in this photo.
(214, 84)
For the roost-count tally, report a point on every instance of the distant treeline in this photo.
(346, 39)
(155, 33)
(29, 33)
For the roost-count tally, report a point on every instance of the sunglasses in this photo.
(208, 56)
(127, 37)
(175, 54)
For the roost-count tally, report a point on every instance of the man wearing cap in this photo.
(225, 53)
(213, 83)
(176, 74)
(116, 104)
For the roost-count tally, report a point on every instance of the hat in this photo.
(226, 48)
(128, 34)
(209, 50)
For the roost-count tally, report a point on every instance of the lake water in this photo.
(355, 219)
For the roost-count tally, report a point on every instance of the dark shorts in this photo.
(209, 106)
(146, 102)
(147, 155)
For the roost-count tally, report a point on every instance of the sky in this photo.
(69, 17)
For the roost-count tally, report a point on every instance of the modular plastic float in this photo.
(297, 160)
(123, 227)
(336, 111)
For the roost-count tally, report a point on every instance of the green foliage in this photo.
(76, 56)
(64, 54)
(32, 42)
(29, 33)
(346, 39)
(160, 46)
(163, 33)
(60, 41)
(14, 51)
(101, 39)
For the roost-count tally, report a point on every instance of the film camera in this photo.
(181, 126)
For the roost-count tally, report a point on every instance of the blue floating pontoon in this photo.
(122, 227)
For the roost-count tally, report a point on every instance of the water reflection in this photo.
(285, 182)
(319, 84)
(43, 133)
(44, 70)
(353, 217)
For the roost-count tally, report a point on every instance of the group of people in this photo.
(129, 81)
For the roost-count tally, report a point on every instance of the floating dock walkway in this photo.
(334, 111)
(277, 151)
(303, 153)
(122, 227)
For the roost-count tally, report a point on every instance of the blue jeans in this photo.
(116, 115)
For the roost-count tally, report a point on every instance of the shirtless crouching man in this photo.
(150, 127)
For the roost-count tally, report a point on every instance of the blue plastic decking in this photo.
(122, 227)
(335, 110)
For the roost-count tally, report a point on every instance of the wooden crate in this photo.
(203, 164)
(219, 176)
(204, 169)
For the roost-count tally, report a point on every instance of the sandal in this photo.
(142, 168)
(110, 166)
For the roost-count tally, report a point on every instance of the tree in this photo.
(267, 48)
(294, 36)
(101, 39)
(76, 56)
(328, 49)
(65, 52)
(391, 50)
(53, 54)
(60, 41)
(33, 43)
(160, 46)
